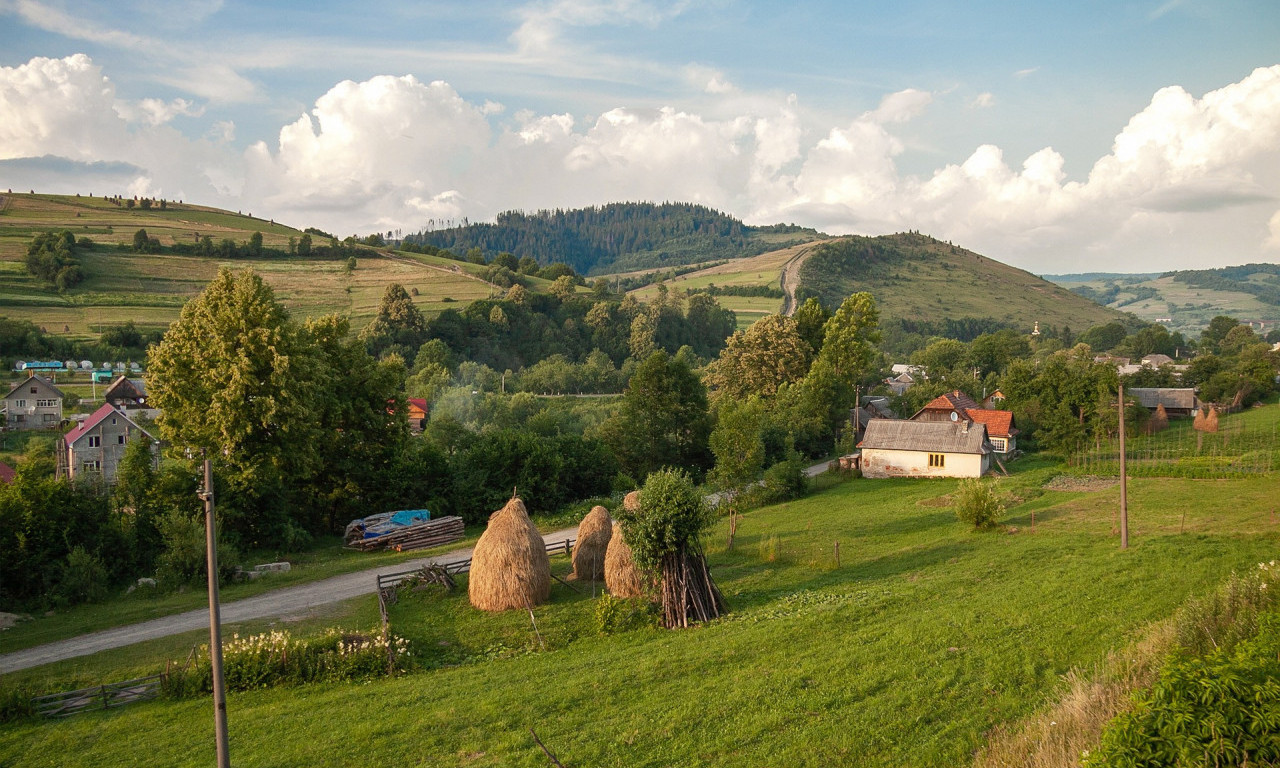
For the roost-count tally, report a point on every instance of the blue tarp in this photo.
(410, 516)
(379, 525)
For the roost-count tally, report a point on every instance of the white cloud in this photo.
(902, 106)
(983, 100)
(1273, 232)
(1026, 72)
(542, 23)
(157, 111)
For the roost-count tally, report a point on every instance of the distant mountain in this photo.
(928, 287)
(619, 237)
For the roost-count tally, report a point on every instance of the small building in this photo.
(98, 444)
(993, 400)
(925, 449)
(418, 412)
(126, 393)
(1181, 401)
(1001, 433)
(34, 403)
(899, 384)
(1156, 360)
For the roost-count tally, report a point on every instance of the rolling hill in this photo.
(150, 289)
(1187, 300)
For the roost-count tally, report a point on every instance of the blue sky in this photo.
(1054, 136)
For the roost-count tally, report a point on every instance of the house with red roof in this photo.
(957, 407)
(418, 412)
(98, 444)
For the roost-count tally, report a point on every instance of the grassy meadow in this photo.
(920, 641)
(150, 289)
(1183, 307)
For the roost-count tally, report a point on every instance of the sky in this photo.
(1055, 136)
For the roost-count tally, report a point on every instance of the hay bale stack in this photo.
(509, 566)
(594, 533)
(620, 573)
(1211, 420)
(1159, 421)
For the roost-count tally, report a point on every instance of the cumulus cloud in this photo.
(1187, 179)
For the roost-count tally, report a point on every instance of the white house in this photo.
(893, 448)
(33, 403)
(97, 445)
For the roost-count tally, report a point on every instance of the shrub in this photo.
(82, 579)
(617, 614)
(978, 504)
(183, 559)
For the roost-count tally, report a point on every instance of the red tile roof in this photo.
(418, 402)
(95, 419)
(956, 400)
(999, 423)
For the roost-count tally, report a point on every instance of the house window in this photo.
(35, 391)
(119, 439)
(998, 443)
(92, 466)
(95, 441)
(46, 403)
(937, 459)
(18, 418)
(50, 418)
(21, 404)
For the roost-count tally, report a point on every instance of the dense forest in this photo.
(614, 238)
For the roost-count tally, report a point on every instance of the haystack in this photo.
(509, 566)
(594, 533)
(1159, 421)
(620, 573)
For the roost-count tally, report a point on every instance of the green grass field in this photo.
(1183, 307)
(925, 637)
(151, 289)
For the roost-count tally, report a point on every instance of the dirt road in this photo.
(280, 603)
(789, 280)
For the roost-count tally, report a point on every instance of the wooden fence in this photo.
(98, 697)
(389, 580)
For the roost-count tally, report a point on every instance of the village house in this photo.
(1176, 401)
(957, 407)
(98, 445)
(418, 411)
(993, 400)
(894, 448)
(126, 393)
(33, 403)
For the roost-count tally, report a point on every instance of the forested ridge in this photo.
(1259, 280)
(613, 238)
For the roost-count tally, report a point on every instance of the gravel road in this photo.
(284, 602)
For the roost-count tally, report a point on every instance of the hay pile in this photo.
(1206, 420)
(509, 566)
(620, 573)
(1158, 421)
(594, 534)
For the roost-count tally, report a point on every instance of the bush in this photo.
(83, 578)
(978, 504)
(183, 559)
(616, 614)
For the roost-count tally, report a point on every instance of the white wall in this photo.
(883, 462)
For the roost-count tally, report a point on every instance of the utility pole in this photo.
(215, 621)
(1124, 485)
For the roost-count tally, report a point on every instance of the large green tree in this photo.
(398, 326)
(235, 378)
(663, 420)
(760, 359)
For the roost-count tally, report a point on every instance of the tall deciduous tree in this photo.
(398, 324)
(760, 359)
(663, 420)
(235, 377)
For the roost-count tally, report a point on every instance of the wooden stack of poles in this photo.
(429, 533)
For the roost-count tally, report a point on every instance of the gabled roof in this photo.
(417, 402)
(139, 386)
(96, 418)
(933, 436)
(41, 379)
(1150, 397)
(955, 400)
(998, 423)
(1156, 360)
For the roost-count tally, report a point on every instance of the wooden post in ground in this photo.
(215, 621)
(1124, 485)
(837, 554)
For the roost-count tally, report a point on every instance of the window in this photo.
(20, 404)
(18, 418)
(998, 443)
(95, 441)
(46, 403)
(50, 418)
(937, 459)
(92, 466)
(35, 391)
(119, 439)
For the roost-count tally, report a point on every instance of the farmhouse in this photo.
(34, 403)
(418, 410)
(957, 407)
(925, 449)
(1000, 430)
(126, 393)
(98, 445)
(1176, 402)
(953, 406)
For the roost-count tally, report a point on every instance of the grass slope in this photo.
(1188, 308)
(925, 638)
(150, 289)
(915, 277)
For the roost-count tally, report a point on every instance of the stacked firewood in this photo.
(429, 533)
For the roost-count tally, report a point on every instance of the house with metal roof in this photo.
(126, 393)
(33, 403)
(1181, 401)
(893, 448)
(98, 445)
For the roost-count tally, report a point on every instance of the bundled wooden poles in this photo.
(688, 592)
(429, 533)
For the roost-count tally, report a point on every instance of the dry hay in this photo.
(631, 502)
(509, 566)
(620, 573)
(1158, 421)
(594, 534)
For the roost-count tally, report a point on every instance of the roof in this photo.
(96, 418)
(998, 423)
(1150, 397)
(6, 473)
(952, 401)
(1156, 360)
(41, 379)
(933, 436)
(417, 402)
(139, 386)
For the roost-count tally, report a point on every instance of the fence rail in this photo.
(106, 696)
(388, 580)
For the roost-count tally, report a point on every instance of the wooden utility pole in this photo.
(215, 621)
(1124, 485)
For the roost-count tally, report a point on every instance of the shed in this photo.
(1176, 401)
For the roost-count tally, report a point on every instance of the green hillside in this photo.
(1186, 300)
(919, 280)
(618, 237)
(150, 289)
